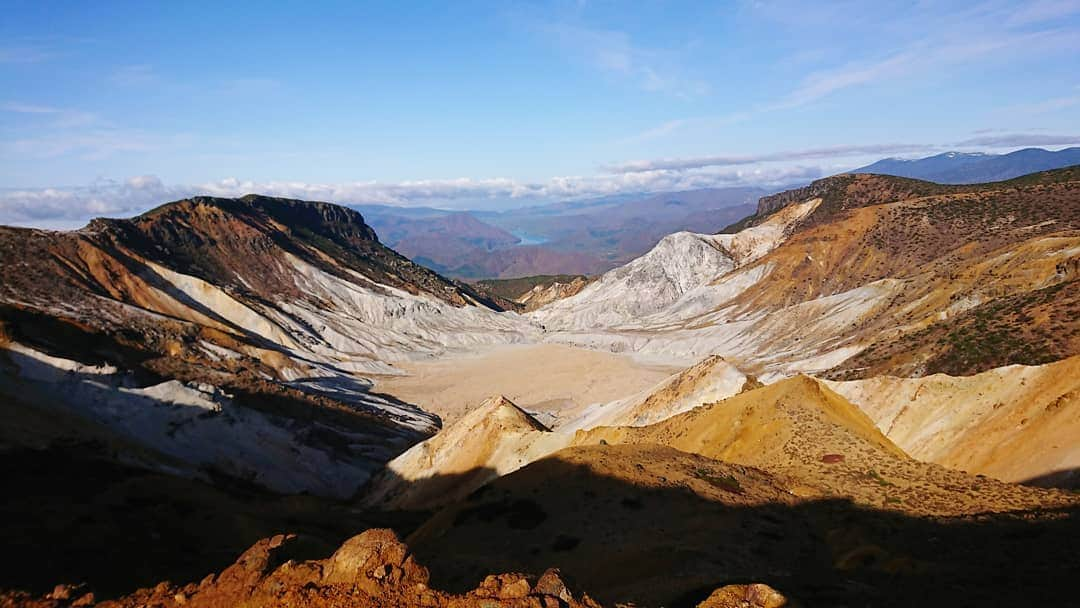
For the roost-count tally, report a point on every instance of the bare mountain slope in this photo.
(1015, 423)
(660, 278)
(822, 444)
(862, 269)
(711, 379)
(208, 317)
(494, 439)
(232, 340)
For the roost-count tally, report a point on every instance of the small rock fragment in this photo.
(551, 584)
(756, 595)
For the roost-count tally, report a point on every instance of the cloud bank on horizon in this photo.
(386, 99)
(71, 207)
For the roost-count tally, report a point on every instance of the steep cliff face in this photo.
(232, 243)
(541, 295)
(768, 205)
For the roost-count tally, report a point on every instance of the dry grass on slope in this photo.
(924, 238)
(1028, 328)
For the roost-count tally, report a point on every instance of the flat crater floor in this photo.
(550, 378)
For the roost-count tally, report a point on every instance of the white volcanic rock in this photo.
(341, 319)
(199, 295)
(680, 264)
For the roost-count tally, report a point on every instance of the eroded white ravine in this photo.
(681, 263)
(674, 304)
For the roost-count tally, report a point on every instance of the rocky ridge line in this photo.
(372, 569)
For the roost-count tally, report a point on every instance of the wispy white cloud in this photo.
(49, 132)
(687, 124)
(921, 41)
(26, 108)
(89, 144)
(823, 83)
(1014, 140)
(1040, 11)
(658, 131)
(987, 138)
(54, 118)
(25, 54)
(700, 162)
(615, 53)
(920, 58)
(1054, 104)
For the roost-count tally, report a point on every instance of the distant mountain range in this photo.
(573, 237)
(975, 167)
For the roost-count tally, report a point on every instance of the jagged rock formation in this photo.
(756, 595)
(373, 569)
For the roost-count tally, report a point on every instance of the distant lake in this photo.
(528, 239)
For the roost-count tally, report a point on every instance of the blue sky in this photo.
(110, 107)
